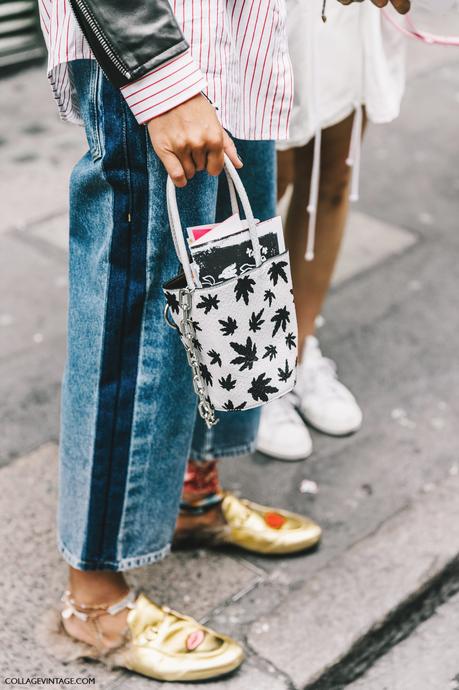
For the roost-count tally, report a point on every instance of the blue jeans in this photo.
(128, 421)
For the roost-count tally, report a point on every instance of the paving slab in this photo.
(248, 677)
(29, 398)
(33, 575)
(423, 58)
(37, 150)
(323, 619)
(411, 176)
(367, 243)
(52, 231)
(427, 660)
(33, 296)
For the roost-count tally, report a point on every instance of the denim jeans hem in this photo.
(220, 453)
(118, 566)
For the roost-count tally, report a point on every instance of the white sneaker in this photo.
(282, 433)
(322, 400)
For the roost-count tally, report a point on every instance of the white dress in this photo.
(356, 57)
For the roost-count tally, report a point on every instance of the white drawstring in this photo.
(355, 150)
(314, 80)
(314, 196)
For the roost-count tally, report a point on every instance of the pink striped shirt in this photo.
(238, 56)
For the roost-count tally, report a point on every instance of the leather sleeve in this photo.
(129, 38)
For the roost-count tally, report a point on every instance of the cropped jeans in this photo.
(128, 420)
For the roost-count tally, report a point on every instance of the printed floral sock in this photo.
(201, 488)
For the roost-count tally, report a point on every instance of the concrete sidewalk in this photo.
(387, 497)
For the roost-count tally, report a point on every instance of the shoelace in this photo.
(281, 411)
(319, 375)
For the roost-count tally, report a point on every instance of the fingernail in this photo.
(239, 158)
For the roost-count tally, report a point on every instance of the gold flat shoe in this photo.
(159, 643)
(255, 528)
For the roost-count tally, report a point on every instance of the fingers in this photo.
(402, 6)
(231, 150)
(189, 138)
(188, 164)
(199, 155)
(174, 168)
(215, 162)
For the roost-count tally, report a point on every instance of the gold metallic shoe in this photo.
(255, 528)
(158, 642)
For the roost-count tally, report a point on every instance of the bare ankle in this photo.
(96, 587)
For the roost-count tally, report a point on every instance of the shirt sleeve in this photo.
(164, 88)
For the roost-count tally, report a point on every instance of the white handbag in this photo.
(239, 335)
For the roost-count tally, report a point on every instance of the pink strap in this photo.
(410, 30)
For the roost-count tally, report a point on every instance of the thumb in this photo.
(231, 151)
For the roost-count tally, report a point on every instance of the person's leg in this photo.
(319, 396)
(311, 279)
(124, 437)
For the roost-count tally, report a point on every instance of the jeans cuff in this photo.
(118, 566)
(219, 453)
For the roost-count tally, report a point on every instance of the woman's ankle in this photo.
(98, 587)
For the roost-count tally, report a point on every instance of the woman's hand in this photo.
(402, 6)
(190, 138)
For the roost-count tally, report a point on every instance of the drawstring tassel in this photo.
(355, 149)
(314, 196)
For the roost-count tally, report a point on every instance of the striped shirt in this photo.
(238, 56)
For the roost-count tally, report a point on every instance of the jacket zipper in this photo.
(102, 41)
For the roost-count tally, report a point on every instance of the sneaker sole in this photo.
(284, 458)
(327, 432)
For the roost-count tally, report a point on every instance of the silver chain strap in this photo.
(188, 333)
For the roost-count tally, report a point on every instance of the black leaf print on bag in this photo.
(290, 341)
(243, 288)
(196, 325)
(214, 357)
(256, 322)
(247, 352)
(172, 302)
(228, 383)
(206, 375)
(280, 319)
(269, 296)
(276, 271)
(260, 388)
(284, 374)
(197, 344)
(271, 352)
(230, 406)
(229, 326)
(208, 302)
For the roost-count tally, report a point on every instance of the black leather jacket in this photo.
(129, 37)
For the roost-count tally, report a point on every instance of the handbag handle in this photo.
(236, 188)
